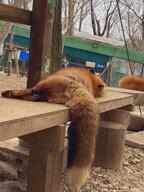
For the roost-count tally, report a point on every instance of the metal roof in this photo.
(91, 43)
(103, 48)
(88, 36)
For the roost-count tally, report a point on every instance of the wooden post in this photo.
(109, 74)
(10, 51)
(9, 62)
(46, 160)
(111, 139)
(110, 145)
(16, 63)
(40, 40)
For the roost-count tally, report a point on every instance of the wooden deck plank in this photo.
(114, 100)
(13, 110)
(12, 147)
(135, 139)
(18, 117)
(138, 95)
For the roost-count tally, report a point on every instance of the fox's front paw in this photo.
(7, 94)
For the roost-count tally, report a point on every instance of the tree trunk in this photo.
(56, 50)
(70, 17)
(142, 27)
(40, 40)
(81, 15)
(65, 15)
(10, 51)
(93, 18)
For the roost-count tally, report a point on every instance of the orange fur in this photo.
(132, 82)
(77, 89)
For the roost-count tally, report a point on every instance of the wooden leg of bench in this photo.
(111, 139)
(45, 168)
(110, 145)
(46, 160)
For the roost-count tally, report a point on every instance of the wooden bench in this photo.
(39, 124)
(137, 121)
(138, 95)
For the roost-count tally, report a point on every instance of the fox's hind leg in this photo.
(32, 98)
(26, 94)
(16, 93)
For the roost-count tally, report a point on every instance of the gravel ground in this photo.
(129, 179)
(11, 82)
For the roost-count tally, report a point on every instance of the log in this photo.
(111, 139)
(118, 116)
(110, 145)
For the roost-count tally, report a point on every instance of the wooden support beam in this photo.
(40, 40)
(46, 160)
(14, 14)
(16, 46)
(110, 145)
(111, 139)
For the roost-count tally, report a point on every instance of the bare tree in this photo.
(74, 12)
(70, 25)
(93, 20)
(134, 22)
(65, 8)
(84, 11)
(102, 25)
(25, 3)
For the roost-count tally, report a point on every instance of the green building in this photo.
(84, 50)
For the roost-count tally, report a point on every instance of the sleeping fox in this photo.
(76, 88)
(132, 82)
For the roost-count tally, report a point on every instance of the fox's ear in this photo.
(100, 87)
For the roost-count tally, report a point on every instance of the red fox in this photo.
(76, 88)
(132, 82)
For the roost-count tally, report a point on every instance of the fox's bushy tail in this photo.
(82, 136)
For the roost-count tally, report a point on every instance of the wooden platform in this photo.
(135, 139)
(18, 117)
(39, 124)
(138, 95)
(12, 146)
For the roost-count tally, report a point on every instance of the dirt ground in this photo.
(129, 179)
(11, 82)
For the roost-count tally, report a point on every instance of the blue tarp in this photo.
(24, 56)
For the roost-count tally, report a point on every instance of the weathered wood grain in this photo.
(14, 14)
(18, 117)
(138, 95)
(40, 40)
(45, 166)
